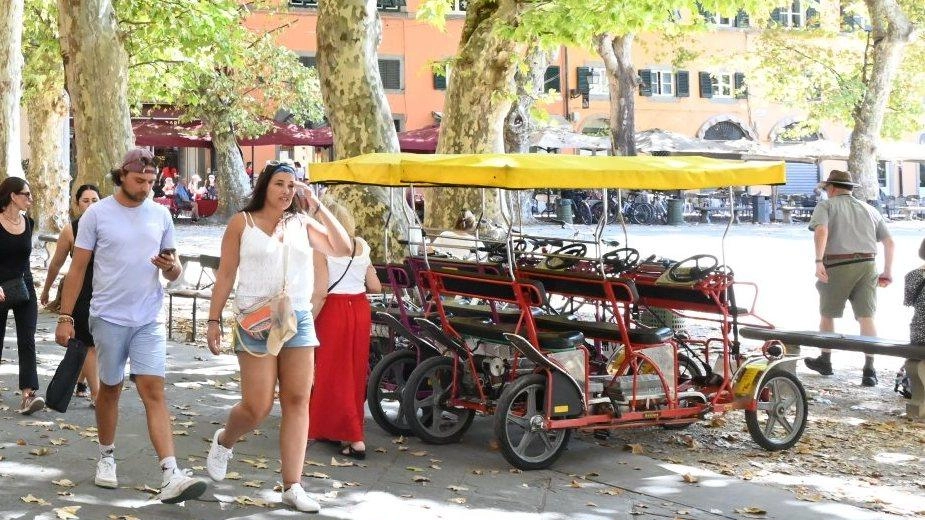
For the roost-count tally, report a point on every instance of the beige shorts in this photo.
(855, 282)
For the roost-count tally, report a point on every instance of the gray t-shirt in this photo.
(854, 226)
(126, 287)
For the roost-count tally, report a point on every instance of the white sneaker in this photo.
(106, 473)
(296, 497)
(217, 461)
(181, 486)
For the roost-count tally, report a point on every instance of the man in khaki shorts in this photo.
(845, 233)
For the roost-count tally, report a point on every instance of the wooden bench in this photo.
(914, 354)
(200, 289)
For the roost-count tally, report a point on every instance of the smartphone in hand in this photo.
(167, 252)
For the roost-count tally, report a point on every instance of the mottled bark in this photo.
(349, 31)
(520, 124)
(890, 32)
(11, 63)
(232, 182)
(96, 70)
(48, 176)
(616, 51)
(478, 98)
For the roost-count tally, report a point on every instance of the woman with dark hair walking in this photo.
(268, 247)
(17, 291)
(86, 195)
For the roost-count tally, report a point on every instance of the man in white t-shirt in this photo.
(131, 240)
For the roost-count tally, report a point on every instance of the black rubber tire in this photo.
(511, 419)
(420, 383)
(779, 392)
(391, 372)
(642, 213)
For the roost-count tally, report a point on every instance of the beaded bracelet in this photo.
(65, 318)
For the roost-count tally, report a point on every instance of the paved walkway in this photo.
(464, 480)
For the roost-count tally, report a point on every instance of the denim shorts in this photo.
(145, 346)
(304, 336)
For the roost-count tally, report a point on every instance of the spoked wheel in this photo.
(780, 419)
(642, 213)
(518, 425)
(424, 403)
(384, 388)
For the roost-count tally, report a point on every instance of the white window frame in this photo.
(793, 15)
(597, 82)
(722, 21)
(723, 84)
(662, 81)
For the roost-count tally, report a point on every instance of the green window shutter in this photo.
(741, 19)
(738, 82)
(390, 72)
(439, 81)
(551, 79)
(706, 85)
(682, 83)
(584, 79)
(645, 82)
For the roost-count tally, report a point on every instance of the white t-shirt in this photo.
(354, 276)
(457, 245)
(127, 290)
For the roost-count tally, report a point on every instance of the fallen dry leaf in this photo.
(635, 449)
(399, 440)
(612, 492)
(63, 483)
(147, 489)
(123, 517)
(574, 484)
(420, 478)
(233, 475)
(337, 463)
(317, 474)
(253, 483)
(457, 489)
(419, 453)
(381, 450)
(58, 442)
(414, 468)
(313, 463)
(251, 501)
(690, 479)
(67, 513)
(458, 500)
(30, 499)
(591, 504)
(751, 511)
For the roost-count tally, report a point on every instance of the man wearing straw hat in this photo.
(845, 233)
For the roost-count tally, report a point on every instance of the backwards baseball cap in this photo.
(839, 179)
(137, 159)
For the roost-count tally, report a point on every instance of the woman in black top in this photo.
(86, 195)
(15, 248)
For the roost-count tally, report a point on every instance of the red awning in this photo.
(164, 134)
(422, 140)
(292, 135)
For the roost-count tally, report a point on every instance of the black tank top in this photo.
(87, 290)
(14, 252)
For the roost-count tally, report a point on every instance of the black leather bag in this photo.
(61, 387)
(15, 291)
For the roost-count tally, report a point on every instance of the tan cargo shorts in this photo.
(855, 282)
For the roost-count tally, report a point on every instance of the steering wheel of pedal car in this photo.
(621, 259)
(693, 268)
(565, 256)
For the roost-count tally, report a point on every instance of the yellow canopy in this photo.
(525, 171)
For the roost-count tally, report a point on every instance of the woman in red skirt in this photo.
(343, 327)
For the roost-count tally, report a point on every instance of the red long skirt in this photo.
(341, 364)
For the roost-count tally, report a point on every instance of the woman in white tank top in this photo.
(343, 325)
(273, 224)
